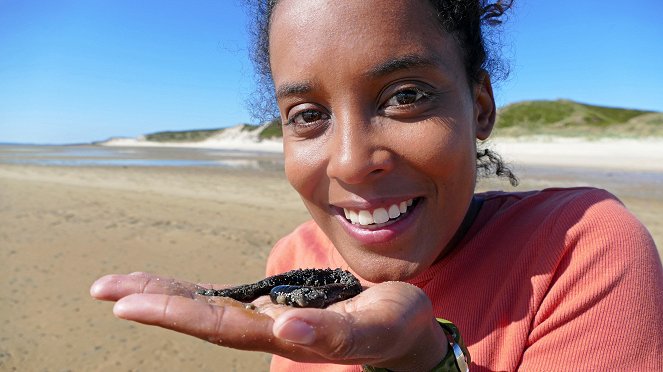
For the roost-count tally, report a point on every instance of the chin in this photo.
(386, 269)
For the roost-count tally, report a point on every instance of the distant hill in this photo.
(573, 119)
(528, 118)
(259, 132)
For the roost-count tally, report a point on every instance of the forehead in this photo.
(305, 34)
(366, 13)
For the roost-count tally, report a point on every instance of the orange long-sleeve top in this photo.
(551, 280)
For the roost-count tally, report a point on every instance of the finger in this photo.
(360, 331)
(232, 326)
(331, 335)
(114, 287)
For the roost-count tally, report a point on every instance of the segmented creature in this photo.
(298, 288)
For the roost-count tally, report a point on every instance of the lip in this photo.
(358, 204)
(381, 234)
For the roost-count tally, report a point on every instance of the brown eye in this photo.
(308, 123)
(311, 116)
(308, 117)
(405, 97)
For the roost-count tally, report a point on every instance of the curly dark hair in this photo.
(473, 24)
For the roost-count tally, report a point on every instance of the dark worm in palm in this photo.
(299, 288)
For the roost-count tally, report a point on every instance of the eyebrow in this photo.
(405, 62)
(288, 89)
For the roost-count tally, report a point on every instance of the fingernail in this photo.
(296, 331)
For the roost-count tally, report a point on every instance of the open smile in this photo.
(381, 224)
(382, 216)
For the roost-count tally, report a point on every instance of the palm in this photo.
(357, 331)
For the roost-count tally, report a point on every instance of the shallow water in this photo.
(90, 155)
(645, 182)
(623, 182)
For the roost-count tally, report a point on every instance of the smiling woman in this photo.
(387, 122)
(383, 102)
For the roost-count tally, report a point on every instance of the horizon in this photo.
(257, 124)
(78, 73)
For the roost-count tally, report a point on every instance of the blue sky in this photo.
(79, 71)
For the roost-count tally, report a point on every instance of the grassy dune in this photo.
(568, 118)
(195, 135)
(266, 131)
(528, 118)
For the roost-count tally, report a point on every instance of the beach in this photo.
(66, 220)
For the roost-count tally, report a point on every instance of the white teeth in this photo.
(394, 211)
(365, 218)
(354, 217)
(379, 215)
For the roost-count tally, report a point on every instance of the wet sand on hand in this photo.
(63, 227)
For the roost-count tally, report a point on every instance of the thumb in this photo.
(326, 333)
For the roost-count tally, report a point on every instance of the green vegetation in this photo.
(568, 118)
(529, 118)
(249, 127)
(272, 130)
(183, 136)
(269, 130)
(266, 131)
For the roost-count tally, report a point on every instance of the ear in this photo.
(484, 107)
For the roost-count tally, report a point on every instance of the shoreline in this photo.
(267, 146)
(605, 153)
(645, 154)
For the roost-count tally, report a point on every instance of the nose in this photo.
(359, 153)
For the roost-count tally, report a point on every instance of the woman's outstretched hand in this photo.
(388, 325)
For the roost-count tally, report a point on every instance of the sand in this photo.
(63, 227)
(644, 154)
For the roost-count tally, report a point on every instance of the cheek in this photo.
(443, 148)
(305, 168)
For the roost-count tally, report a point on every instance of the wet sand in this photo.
(63, 227)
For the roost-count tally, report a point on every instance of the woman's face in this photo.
(379, 127)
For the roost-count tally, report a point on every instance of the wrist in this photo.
(447, 352)
(426, 351)
(430, 353)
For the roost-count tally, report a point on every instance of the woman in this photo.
(382, 103)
